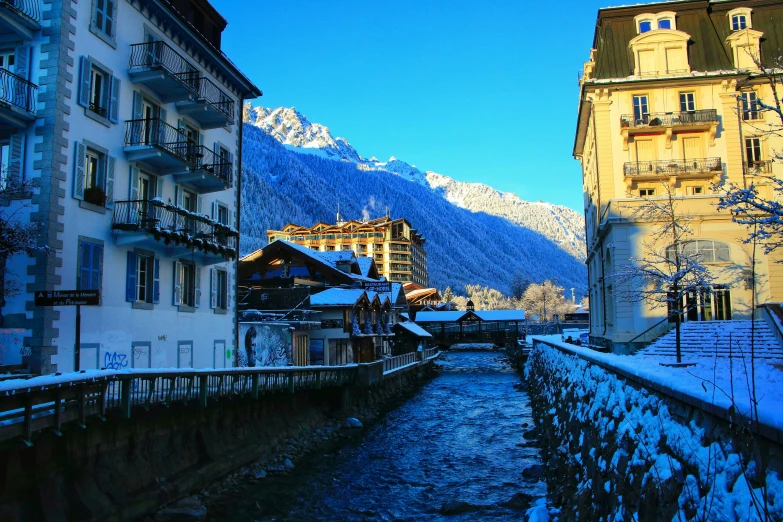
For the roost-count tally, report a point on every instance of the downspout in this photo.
(600, 212)
(238, 222)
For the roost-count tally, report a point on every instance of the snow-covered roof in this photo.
(382, 297)
(334, 256)
(440, 317)
(456, 315)
(365, 263)
(501, 315)
(337, 297)
(415, 329)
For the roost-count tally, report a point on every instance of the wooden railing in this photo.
(429, 353)
(398, 361)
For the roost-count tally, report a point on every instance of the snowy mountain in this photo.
(296, 171)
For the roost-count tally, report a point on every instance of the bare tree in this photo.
(546, 300)
(16, 237)
(666, 269)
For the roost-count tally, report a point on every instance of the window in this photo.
(693, 191)
(687, 102)
(647, 192)
(750, 106)
(103, 21)
(93, 180)
(706, 250)
(644, 26)
(187, 290)
(90, 266)
(218, 289)
(5, 178)
(221, 214)
(7, 59)
(641, 110)
(664, 23)
(753, 150)
(142, 283)
(99, 92)
(739, 22)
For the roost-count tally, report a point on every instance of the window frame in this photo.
(750, 106)
(665, 19)
(641, 116)
(753, 144)
(80, 267)
(739, 22)
(648, 192)
(686, 102)
(110, 37)
(700, 247)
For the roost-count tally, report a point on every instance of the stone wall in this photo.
(616, 450)
(123, 469)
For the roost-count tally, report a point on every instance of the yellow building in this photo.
(668, 100)
(398, 249)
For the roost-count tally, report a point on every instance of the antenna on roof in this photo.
(387, 210)
(340, 221)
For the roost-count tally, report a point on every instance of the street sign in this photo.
(377, 286)
(68, 298)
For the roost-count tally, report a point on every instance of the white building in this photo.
(133, 142)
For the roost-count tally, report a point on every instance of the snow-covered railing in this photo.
(48, 402)
(429, 353)
(398, 361)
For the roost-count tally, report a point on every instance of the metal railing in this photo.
(28, 8)
(157, 133)
(398, 361)
(16, 91)
(672, 167)
(664, 119)
(758, 167)
(172, 224)
(215, 96)
(161, 55)
(218, 167)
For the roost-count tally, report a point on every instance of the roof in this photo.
(428, 294)
(415, 329)
(458, 315)
(337, 297)
(704, 21)
(365, 264)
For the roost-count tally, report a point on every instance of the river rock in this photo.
(535, 472)
(456, 507)
(353, 422)
(530, 434)
(185, 510)
(288, 464)
(259, 474)
(519, 501)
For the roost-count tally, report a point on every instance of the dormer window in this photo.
(665, 23)
(650, 22)
(739, 22)
(645, 26)
(744, 40)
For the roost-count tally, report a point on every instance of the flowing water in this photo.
(458, 439)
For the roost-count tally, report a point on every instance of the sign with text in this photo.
(68, 298)
(377, 286)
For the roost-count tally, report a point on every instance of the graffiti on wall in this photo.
(12, 347)
(263, 345)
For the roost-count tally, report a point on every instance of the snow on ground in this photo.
(718, 381)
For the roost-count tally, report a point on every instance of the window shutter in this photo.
(114, 99)
(199, 202)
(130, 279)
(84, 84)
(162, 113)
(111, 162)
(138, 113)
(179, 195)
(159, 187)
(231, 219)
(22, 61)
(133, 192)
(156, 282)
(197, 300)
(177, 284)
(213, 282)
(79, 161)
(16, 160)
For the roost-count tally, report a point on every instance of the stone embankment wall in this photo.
(615, 450)
(123, 469)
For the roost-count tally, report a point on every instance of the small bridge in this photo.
(497, 327)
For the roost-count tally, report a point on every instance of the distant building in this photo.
(669, 98)
(396, 247)
(124, 117)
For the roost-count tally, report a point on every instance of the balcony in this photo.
(210, 172)
(211, 107)
(669, 123)
(17, 101)
(159, 146)
(691, 169)
(758, 167)
(179, 231)
(19, 19)
(157, 66)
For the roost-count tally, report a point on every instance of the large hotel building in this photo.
(398, 249)
(669, 100)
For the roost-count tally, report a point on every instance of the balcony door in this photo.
(7, 61)
(149, 113)
(691, 151)
(645, 155)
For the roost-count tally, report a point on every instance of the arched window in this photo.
(706, 250)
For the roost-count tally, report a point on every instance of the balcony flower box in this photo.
(95, 196)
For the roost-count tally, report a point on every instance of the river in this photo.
(459, 439)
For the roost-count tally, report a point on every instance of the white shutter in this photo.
(79, 164)
(177, 283)
(215, 210)
(197, 301)
(159, 187)
(213, 284)
(110, 166)
(133, 186)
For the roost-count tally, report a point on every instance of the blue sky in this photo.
(454, 86)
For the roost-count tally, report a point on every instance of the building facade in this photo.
(669, 105)
(396, 247)
(133, 147)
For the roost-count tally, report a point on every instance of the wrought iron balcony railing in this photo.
(157, 133)
(16, 91)
(669, 119)
(672, 167)
(215, 96)
(172, 224)
(758, 167)
(220, 168)
(155, 55)
(28, 8)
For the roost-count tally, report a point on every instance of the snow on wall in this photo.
(618, 451)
